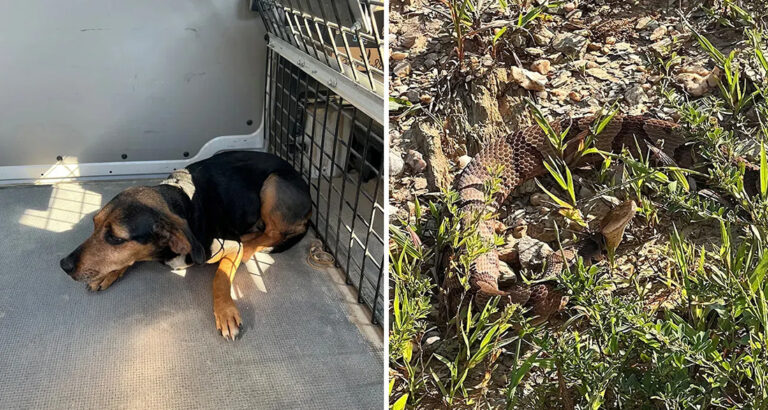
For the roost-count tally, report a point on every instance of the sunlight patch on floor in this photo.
(68, 205)
(69, 202)
(256, 266)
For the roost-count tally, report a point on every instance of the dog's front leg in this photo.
(224, 310)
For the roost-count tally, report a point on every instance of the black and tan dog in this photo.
(222, 209)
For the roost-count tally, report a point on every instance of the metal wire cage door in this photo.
(339, 151)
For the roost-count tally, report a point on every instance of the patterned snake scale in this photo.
(521, 154)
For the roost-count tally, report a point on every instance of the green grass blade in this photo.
(555, 172)
(554, 197)
(756, 278)
(763, 170)
(499, 34)
(400, 403)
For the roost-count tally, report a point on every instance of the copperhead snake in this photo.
(521, 155)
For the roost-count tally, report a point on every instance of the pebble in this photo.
(532, 252)
(542, 36)
(506, 273)
(594, 46)
(697, 81)
(464, 161)
(396, 164)
(398, 55)
(600, 73)
(402, 69)
(541, 66)
(416, 161)
(419, 183)
(658, 33)
(408, 42)
(635, 95)
(527, 79)
(539, 199)
(536, 52)
(570, 44)
(412, 96)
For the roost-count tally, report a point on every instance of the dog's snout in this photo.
(68, 264)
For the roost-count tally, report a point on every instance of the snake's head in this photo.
(615, 222)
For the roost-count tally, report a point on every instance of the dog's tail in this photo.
(287, 243)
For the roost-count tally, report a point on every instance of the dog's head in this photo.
(135, 226)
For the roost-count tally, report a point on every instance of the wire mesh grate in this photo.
(339, 152)
(345, 35)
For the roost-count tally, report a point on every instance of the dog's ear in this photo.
(177, 236)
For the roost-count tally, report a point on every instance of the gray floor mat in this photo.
(149, 341)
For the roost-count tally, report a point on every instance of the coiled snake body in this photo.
(521, 156)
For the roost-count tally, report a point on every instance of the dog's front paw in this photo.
(105, 281)
(228, 320)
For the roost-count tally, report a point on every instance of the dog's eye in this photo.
(112, 239)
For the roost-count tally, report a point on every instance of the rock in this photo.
(408, 42)
(610, 40)
(412, 96)
(419, 183)
(623, 46)
(528, 79)
(527, 187)
(541, 66)
(539, 199)
(542, 36)
(464, 161)
(398, 55)
(635, 95)
(660, 32)
(642, 22)
(586, 192)
(601, 74)
(401, 214)
(518, 39)
(519, 228)
(663, 47)
(402, 69)
(427, 137)
(570, 44)
(569, 7)
(574, 96)
(415, 160)
(532, 252)
(506, 273)
(432, 340)
(601, 207)
(594, 46)
(392, 211)
(396, 164)
(536, 52)
(697, 81)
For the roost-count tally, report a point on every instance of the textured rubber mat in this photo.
(149, 341)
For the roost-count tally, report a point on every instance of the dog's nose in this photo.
(68, 264)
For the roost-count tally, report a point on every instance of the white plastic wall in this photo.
(126, 87)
